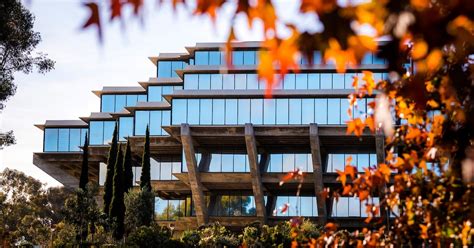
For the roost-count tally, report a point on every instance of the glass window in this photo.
(50, 139)
(216, 81)
(154, 93)
(249, 57)
(342, 207)
(230, 111)
(301, 81)
(165, 118)
(120, 102)
(321, 110)
(240, 163)
(218, 108)
(367, 60)
(348, 80)
(227, 163)
(354, 206)
(167, 90)
(204, 81)
(344, 108)
(75, 139)
(63, 140)
(243, 111)
(282, 111)
(237, 57)
(201, 58)
(307, 111)
(338, 162)
(373, 160)
(214, 58)
(164, 69)
(252, 81)
(280, 202)
(176, 65)
(295, 111)
(269, 112)
(276, 163)
(326, 81)
(179, 111)
(125, 127)
(362, 161)
(142, 98)
(193, 111)
(288, 162)
(228, 81)
(313, 81)
(289, 82)
(377, 60)
(338, 80)
(96, 132)
(165, 170)
(141, 122)
(308, 206)
(191, 81)
(155, 122)
(248, 206)
(215, 165)
(206, 112)
(240, 81)
(301, 162)
(109, 127)
(132, 100)
(334, 113)
(256, 111)
(161, 208)
(108, 103)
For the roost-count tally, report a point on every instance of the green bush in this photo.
(155, 236)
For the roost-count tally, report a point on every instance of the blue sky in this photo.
(82, 64)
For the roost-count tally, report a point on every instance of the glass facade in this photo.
(305, 206)
(351, 207)
(163, 170)
(156, 93)
(262, 111)
(172, 209)
(125, 127)
(290, 162)
(233, 205)
(166, 69)
(116, 103)
(154, 119)
(64, 139)
(361, 161)
(101, 132)
(301, 81)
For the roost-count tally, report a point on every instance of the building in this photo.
(219, 147)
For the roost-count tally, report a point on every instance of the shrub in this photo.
(154, 236)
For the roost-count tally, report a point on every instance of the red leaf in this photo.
(115, 9)
(94, 18)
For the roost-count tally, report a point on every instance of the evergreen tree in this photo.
(127, 166)
(85, 165)
(108, 185)
(145, 177)
(117, 205)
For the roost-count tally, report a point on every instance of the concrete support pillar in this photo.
(317, 170)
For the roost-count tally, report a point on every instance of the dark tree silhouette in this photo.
(127, 166)
(145, 183)
(108, 185)
(84, 179)
(117, 205)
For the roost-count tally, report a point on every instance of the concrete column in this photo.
(317, 170)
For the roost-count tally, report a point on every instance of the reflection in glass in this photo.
(50, 139)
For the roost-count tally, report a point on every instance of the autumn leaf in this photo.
(420, 48)
(228, 47)
(370, 122)
(208, 7)
(115, 9)
(342, 177)
(424, 231)
(363, 195)
(94, 18)
(137, 6)
(341, 58)
(318, 6)
(347, 190)
(330, 227)
(351, 171)
(355, 126)
(385, 171)
(412, 133)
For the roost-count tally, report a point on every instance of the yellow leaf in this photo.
(420, 48)
(432, 103)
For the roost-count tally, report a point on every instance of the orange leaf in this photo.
(342, 177)
(347, 190)
(385, 171)
(115, 9)
(412, 133)
(363, 195)
(355, 126)
(351, 171)
(330, 227)
(424, 231)
(228, 47)
(370, 122)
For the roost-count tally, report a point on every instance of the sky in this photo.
(83, 64)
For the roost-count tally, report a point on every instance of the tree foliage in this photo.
(127, 166)
(17, 43)
(430, 149)
(117, 205)
(84, 179)
(111, 160)
(139, 209)
(27, 209)
(145, 177)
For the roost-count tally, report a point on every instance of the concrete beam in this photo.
(317, 169)
(60, 175)
(380, 151)
(255, 174)
(193, 174)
